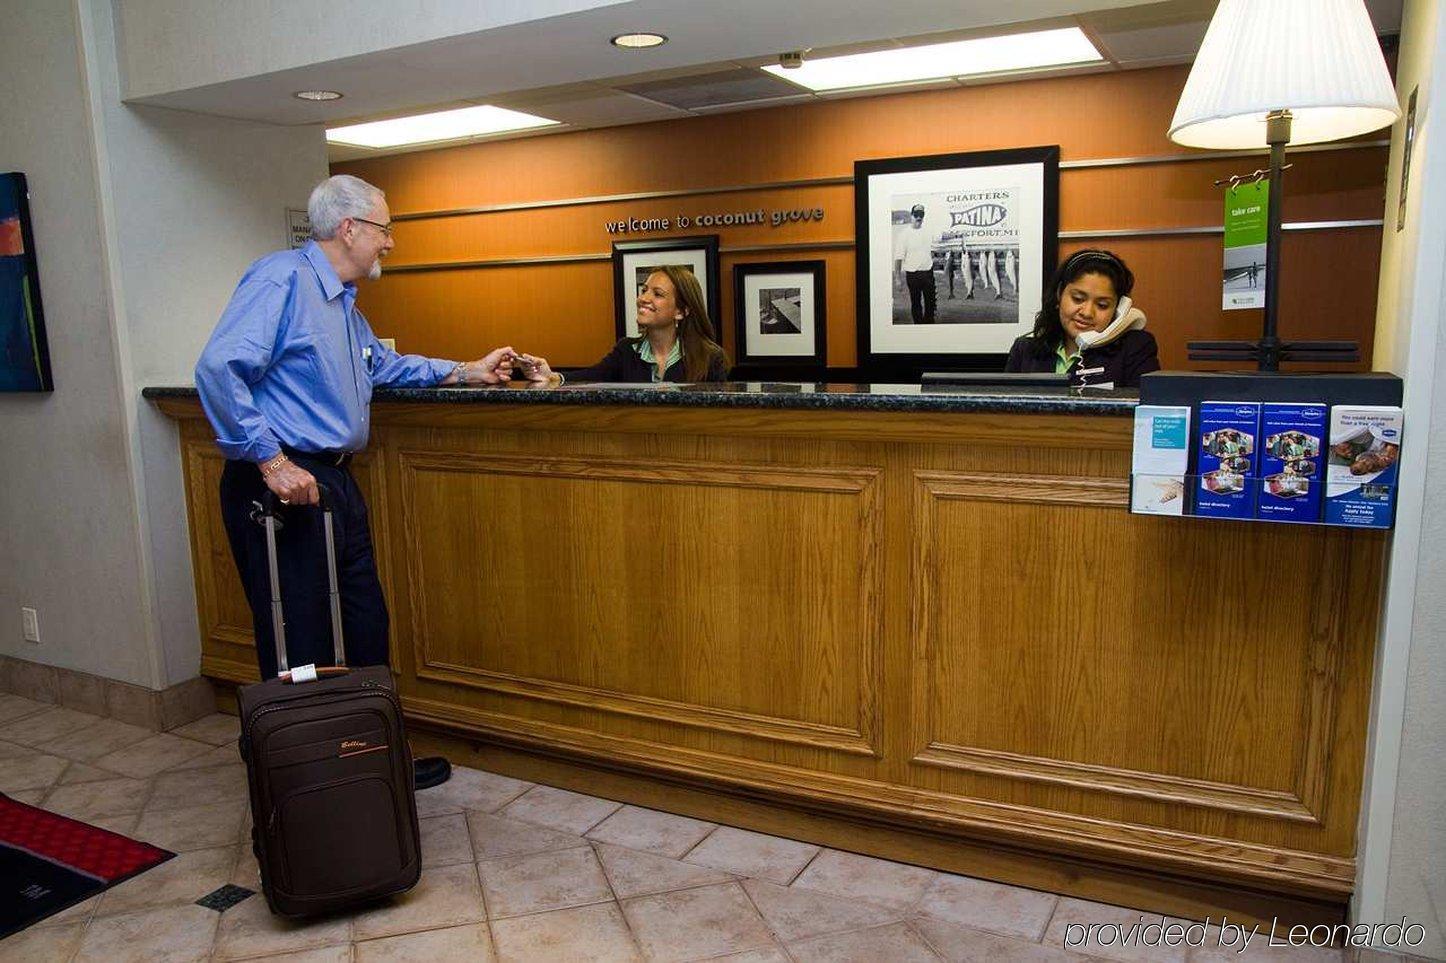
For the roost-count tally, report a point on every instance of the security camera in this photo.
(791, 60)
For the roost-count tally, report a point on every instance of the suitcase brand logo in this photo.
(353, 747)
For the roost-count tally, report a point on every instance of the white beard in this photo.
(375, 271)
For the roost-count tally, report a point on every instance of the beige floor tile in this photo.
(642, 874)
(97, 739)
(11, 750)
(198, 787)
(1259, 949)
(895, 943)
(470, 789)
(696, 924)
(517, 885)
(250, 929)
(1070, 928)
(796, 914)
(79, 913)
(753, 854)
(753, 956)
(218, 756)
(88, 801)
(14, 707)
(587, 934)
(42, 944)
(218, 729)
(34, 770)
(445, 840)
(31, 797)
(651, 831)
(176, 934)
(154, 755)
(446, 896)
(493, 837)
(471, 943)
(195, 827)
(559, 809)
(184, 879)
(247, 872)
(864, 877)
(1006, 910)
(960, 944)
(78, 772)
(46, 726)
(124, 824)
(326, 954)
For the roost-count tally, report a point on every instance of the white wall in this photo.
(1402, 845)
(171, 45)
(144, 221)
(70, 546)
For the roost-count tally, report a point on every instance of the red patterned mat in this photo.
(49, 862)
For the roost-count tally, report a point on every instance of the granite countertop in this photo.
(768, 394)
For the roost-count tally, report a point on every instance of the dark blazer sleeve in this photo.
(1024, 356)
(1139, 354)
(609, 368)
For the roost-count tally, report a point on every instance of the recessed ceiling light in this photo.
(443, 125)
(317, 95)
(638, 41)
(962, 58)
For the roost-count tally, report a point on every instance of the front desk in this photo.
(920, 624)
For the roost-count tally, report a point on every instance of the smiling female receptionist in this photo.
(1088, 327)
(677, 341)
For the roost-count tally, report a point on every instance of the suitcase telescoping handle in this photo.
(270, 511)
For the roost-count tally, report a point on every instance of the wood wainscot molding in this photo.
(1073, 546)
(778, 642)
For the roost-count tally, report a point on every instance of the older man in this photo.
(286, 381)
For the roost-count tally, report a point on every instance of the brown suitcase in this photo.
(334, 814)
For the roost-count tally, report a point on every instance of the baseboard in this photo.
(159, 710)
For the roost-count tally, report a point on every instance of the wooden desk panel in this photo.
(947, 622)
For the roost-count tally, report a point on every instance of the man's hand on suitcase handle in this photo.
(292, 484)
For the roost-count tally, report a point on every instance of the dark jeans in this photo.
(301, 565)
(921, 288)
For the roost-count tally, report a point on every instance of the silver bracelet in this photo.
(461, 372)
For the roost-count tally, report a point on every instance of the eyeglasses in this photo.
(384, 228)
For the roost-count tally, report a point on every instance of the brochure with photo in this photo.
(1227, 459)
(1291, 461)
(1362, 465)
(1160, 460)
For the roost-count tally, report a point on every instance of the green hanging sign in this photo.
(1245, 231)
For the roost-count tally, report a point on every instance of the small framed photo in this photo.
(953, 253)
(633, 261)
(780, 310)
(24, 352)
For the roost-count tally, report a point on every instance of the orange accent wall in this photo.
(564, 311)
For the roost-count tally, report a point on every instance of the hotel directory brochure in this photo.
(1291, 463)
(1361, 466)
(1160, 460)
(1229, 436)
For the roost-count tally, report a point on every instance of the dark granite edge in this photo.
(960, 400)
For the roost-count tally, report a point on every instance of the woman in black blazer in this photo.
(1088, 327)
(677, 341)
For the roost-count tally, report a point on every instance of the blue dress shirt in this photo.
(292, 361)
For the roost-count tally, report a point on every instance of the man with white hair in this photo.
(286, 381)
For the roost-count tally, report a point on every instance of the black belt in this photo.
(336, 459)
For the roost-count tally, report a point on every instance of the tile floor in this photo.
(512, 871)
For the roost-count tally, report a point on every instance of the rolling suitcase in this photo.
(334, 815)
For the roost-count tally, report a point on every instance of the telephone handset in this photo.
(1118, 325)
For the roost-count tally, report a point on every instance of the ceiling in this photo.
(564, 69)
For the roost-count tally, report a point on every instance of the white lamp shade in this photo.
(1319, 59)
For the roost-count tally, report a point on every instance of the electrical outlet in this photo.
(31, 622)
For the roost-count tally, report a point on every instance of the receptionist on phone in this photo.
(1088, 328)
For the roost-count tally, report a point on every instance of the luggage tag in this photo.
(304, 673)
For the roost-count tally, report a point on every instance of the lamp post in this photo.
(1270, 73)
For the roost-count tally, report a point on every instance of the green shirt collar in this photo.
(1063, 361)
(644, 349)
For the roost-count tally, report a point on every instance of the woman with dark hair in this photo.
(677, 341)
(1088, 327)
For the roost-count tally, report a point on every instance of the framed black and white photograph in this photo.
(953, 253)
(779, 312)
(634, 260)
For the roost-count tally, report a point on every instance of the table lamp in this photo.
(1277, 72)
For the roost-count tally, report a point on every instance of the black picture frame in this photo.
(811, 325)
(630, 256)
(1026, 182)
(24, 350)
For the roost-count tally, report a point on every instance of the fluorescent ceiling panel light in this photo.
(443, 125)
(317, 95)
(961, 58)
(638, 41)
